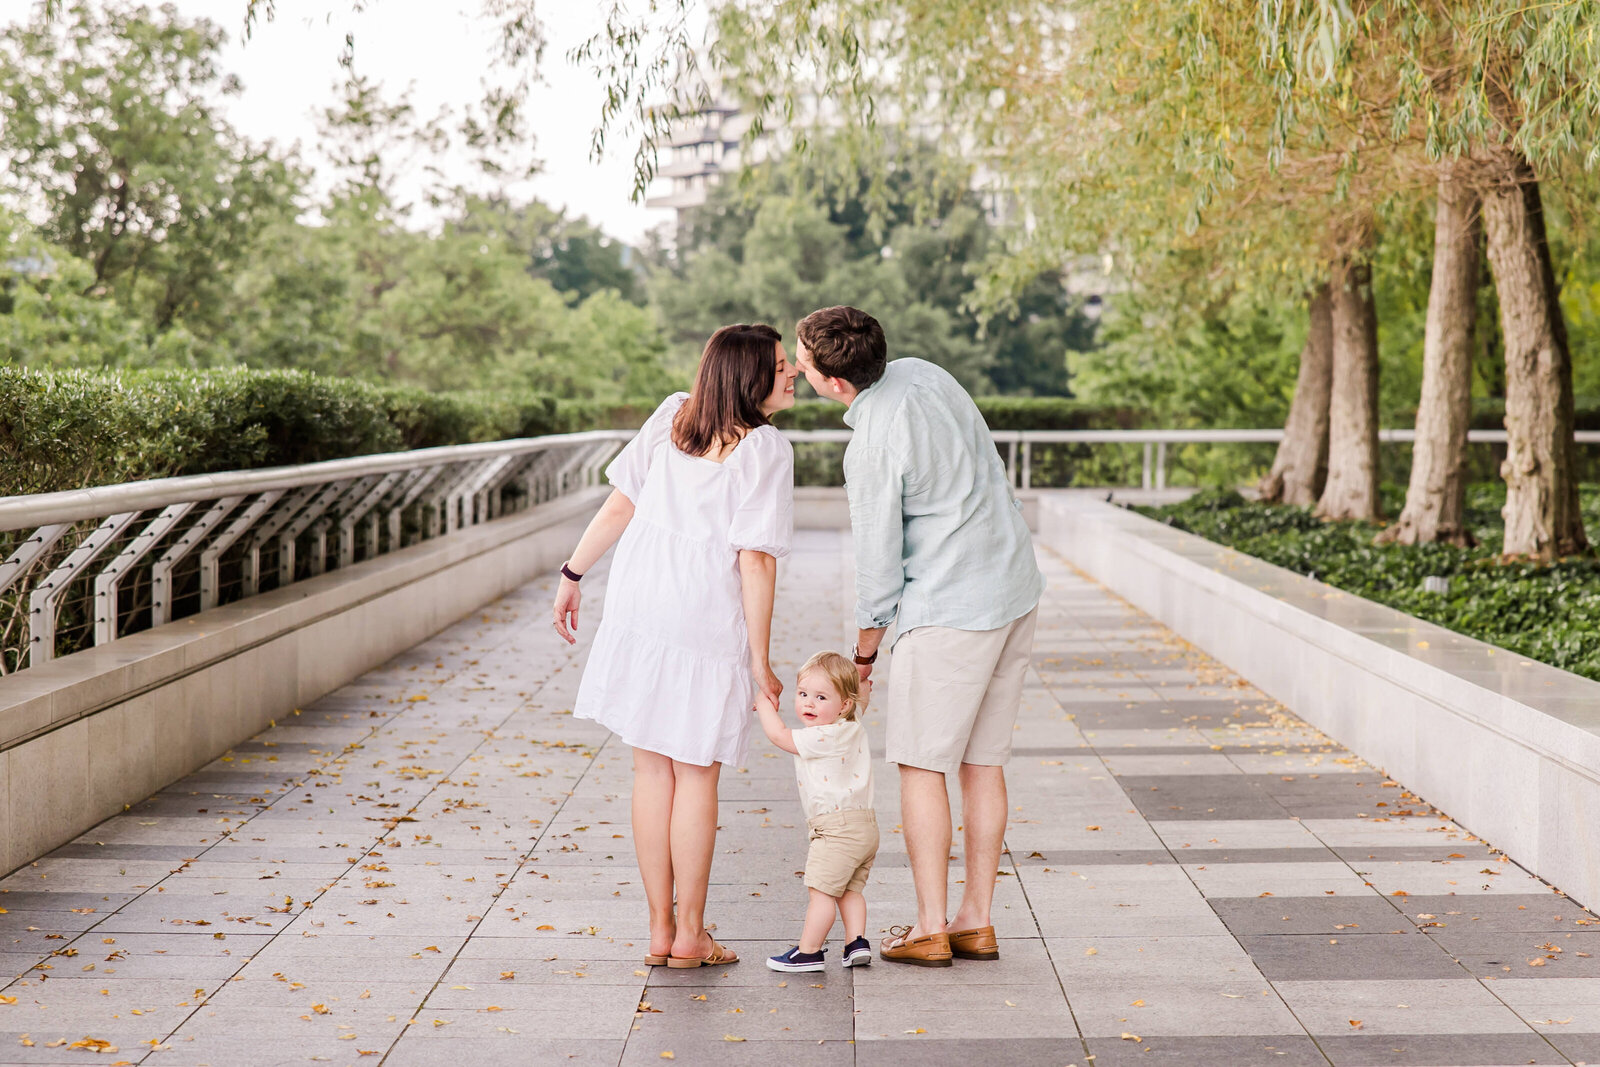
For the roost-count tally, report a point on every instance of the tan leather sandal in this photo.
(975, 944)
(718, 956)
(929, 950)
(654, 961)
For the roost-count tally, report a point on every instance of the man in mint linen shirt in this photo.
(942, 553)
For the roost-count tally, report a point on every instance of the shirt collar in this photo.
(853, 412)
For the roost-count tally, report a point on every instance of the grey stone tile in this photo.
(1196, 1007)
(1280, 1050)
(428, 1050)
(966, 1052)
(715, 1050)
(1426, 1006)
(1512, 953)
(799, 1012)
(1308, 915)
(1431, 1050)
(1532, 912)
(1350, 955)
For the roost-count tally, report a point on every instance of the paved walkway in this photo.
(432, 867)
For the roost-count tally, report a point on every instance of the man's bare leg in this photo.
(983, 833)
(925, 819)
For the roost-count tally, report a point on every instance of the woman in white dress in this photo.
(702, 510)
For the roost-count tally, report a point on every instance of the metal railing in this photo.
(86, 566)
(1018, 444)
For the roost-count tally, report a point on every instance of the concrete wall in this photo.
(1508, 747)
(83, 735)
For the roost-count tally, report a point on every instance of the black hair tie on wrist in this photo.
(570, 574)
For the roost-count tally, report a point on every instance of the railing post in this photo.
(1011, 461)
(1144, 479)
(1027, 464)
(1161, 465)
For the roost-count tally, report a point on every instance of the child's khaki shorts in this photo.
(843, 846)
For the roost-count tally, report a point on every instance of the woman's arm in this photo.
(758, 579)
(604, 529)
(777, 733)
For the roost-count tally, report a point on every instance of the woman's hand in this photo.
(767, 683)
(568, 597)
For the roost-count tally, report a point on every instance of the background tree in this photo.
(111, 133)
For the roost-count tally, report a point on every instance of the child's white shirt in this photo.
(833, 766)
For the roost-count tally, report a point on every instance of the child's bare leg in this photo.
(819, 920)
(853, 910)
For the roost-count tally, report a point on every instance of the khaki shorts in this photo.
(843, 846)
(953, 694)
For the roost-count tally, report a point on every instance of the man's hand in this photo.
(566, 607)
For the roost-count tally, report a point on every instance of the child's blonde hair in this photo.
(845, 678)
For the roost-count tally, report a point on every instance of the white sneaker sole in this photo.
(858, 959)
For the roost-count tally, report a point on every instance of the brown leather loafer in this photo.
(976, 944)
(929, 950)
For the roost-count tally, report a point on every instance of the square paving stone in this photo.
(1432, 1050)
(1213, 1007)
(1171, 798)
(1349, 955)
(1530, 912)
(798, 1013)
(418, 1049)
(1428, 1006)
(958, 1052)
(1579, 1048)
(1281, 1050)
(1331, 916)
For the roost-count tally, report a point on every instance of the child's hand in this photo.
(763, 703)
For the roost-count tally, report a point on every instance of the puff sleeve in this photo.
(763, 517)
(627, 472)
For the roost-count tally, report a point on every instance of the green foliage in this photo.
(1548, 613)
(111, 129)
(788, 239)
(69, 429)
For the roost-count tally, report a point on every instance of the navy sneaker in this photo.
(857, 954)
(795, 960)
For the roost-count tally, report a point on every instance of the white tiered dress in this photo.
(670, 668)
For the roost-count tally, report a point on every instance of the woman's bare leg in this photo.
(653, 787)
(694, 838)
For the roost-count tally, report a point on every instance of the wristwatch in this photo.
(863, 661)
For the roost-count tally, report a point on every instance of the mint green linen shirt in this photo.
(939, 536)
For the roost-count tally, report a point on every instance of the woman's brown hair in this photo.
(737, 372)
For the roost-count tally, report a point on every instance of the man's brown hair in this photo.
(845, 342)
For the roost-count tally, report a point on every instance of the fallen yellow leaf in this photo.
(1131, 1037)
(731, 1037)
(322, 1009)
(918, 1030)
(668, 1055)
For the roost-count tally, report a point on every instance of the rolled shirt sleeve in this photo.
(874, 484)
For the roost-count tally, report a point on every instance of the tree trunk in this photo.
(1352, 489)
(1300, 468)
(1541, 513)
(1436, 498)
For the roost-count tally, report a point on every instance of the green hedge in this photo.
(68, 429)
(1549, 613)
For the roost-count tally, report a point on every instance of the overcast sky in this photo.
(441, 47)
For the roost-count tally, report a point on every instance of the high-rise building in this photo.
(703, 147)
